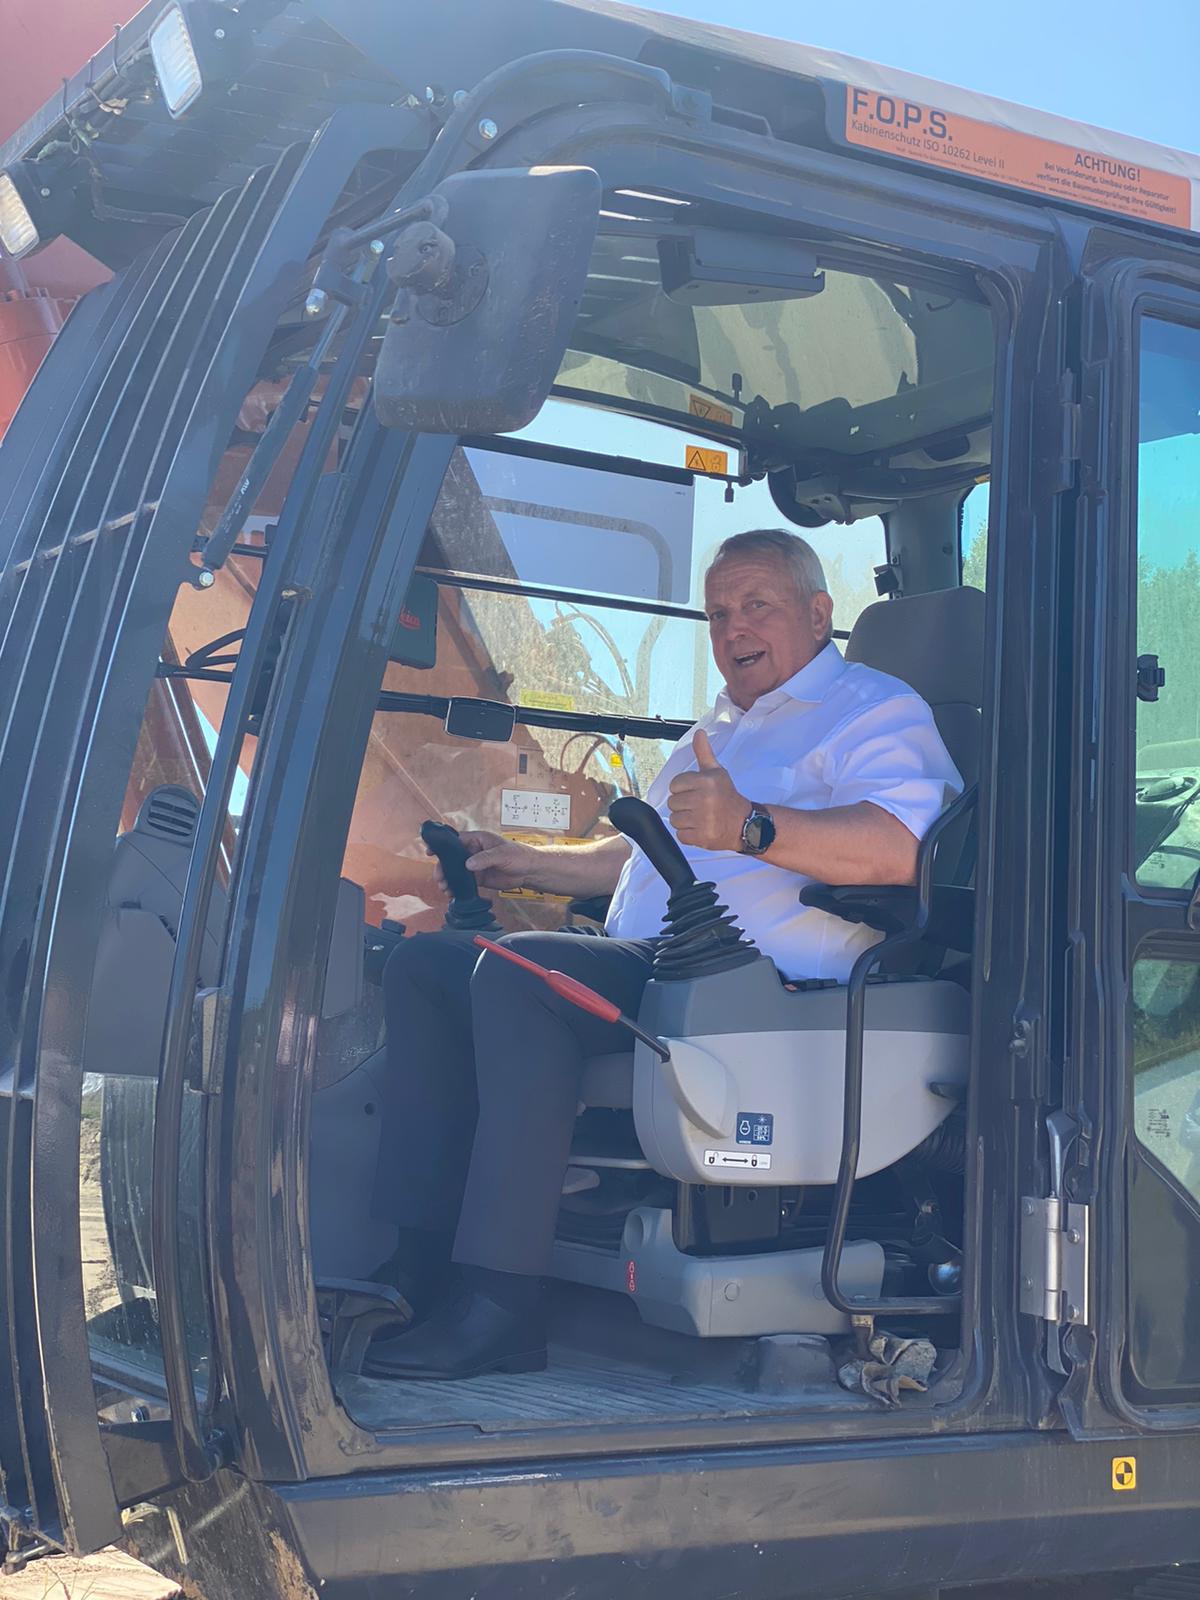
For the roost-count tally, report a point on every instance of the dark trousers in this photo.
(484, 1070)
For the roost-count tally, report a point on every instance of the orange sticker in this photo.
(945, 139)
(699, 406)
(696, 459)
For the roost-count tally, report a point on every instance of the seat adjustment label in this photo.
(747, 1160)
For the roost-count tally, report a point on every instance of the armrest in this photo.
(892, 908)
(889, 907)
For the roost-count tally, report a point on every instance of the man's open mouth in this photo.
(749, 659)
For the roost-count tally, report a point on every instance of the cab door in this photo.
(1132, 1019)
(104, 476)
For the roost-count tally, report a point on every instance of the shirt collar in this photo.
(809, 686)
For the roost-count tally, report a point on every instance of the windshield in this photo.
(867, 363)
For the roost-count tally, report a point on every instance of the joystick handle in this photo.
(451, 852)
(643, 826)
(468, 908)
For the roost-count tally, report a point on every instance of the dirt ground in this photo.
(99, 1275)
(108, 1575)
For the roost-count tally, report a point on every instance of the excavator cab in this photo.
(363, 501)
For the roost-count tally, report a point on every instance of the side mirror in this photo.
(486, 301)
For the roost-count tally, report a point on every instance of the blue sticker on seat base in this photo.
(755, 1127)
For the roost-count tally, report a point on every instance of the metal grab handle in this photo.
(856, 1000)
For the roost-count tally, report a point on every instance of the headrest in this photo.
(933, 642)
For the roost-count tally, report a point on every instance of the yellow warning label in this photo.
(1124, 1473)
(697, 459)
(700, 405)
(543, 700)
(527, 836)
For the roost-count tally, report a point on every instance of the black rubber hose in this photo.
(945, 1149)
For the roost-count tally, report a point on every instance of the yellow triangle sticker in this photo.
(697, 459)
(700, 406)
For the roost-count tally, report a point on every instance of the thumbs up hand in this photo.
(706, 809)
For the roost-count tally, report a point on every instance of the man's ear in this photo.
(822, 614)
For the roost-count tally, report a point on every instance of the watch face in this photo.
(758, 831)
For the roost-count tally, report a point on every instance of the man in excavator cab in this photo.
(808, 767)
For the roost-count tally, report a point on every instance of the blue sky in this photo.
(1108, 62)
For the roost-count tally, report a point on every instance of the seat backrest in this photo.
(934, 643)
(150, 866)
(136, 951)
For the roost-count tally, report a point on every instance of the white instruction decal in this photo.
(535, 808)
(757, 1159)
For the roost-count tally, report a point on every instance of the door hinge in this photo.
(1053, 1264)
(202, 1049)
(1070, 435)
(1054, 1259)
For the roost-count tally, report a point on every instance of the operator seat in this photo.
(934, 643)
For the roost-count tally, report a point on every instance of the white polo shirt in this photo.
(832, 735)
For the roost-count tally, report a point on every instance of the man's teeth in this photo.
(745, 661)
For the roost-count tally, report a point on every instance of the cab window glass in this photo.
(849, 554)
(973, 536)
(1167, 830)
(518, 524)
(183, 719)
(1166, 1066)
(1162, 1322)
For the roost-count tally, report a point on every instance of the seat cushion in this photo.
(608, 1081)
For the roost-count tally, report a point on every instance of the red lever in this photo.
(570, 988)
(577, 993)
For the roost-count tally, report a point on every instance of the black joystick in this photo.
(468, 910)
(699, 935)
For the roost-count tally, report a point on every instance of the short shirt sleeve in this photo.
(892, 754)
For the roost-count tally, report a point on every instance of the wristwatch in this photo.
(758, 831)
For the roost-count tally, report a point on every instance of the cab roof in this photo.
(308, 56)
(1015, 129)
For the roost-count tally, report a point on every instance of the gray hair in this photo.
(802, 559)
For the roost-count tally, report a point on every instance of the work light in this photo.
(175, 61)
(18, 231)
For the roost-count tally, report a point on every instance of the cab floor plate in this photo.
(574, 1388)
